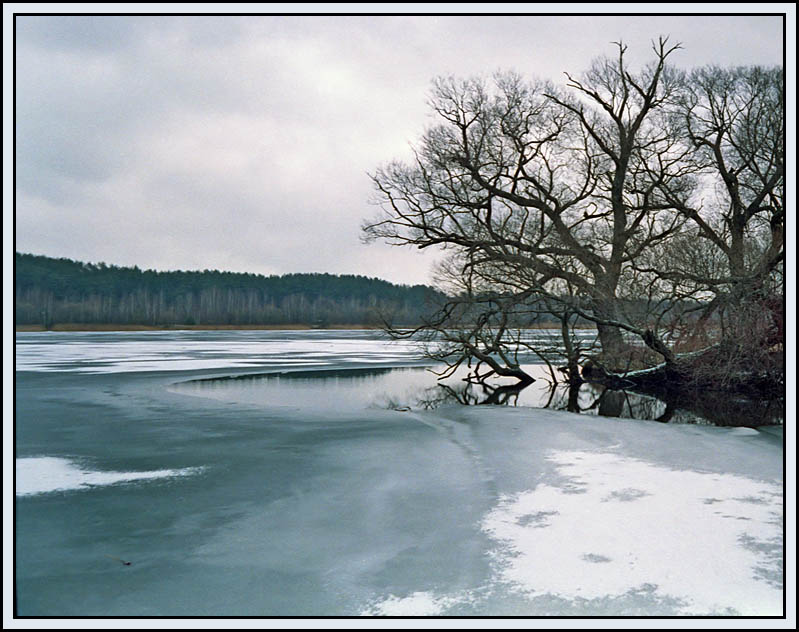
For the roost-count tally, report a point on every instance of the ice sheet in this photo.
(322, 511)
(84, 352)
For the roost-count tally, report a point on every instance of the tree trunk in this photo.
(610, 336)
(612, 342)
(604, 306)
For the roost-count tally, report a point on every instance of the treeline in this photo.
(49, 291)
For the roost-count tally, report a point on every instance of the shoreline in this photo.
(64, 327)
(61, 327)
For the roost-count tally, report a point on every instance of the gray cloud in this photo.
(83, 33)
(243, 143)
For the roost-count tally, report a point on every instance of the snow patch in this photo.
(418, 604)
(44, 474)
(612, 539)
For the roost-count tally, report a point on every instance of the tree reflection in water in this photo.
(705, 407)
(409, 388)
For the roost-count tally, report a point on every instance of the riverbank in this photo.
(285, 327)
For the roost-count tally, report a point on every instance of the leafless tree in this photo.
(544, 192)
(639, 200)
(730, 255)
(735, 118)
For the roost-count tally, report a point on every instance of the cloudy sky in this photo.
(244, 143)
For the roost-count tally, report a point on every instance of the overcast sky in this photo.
(244, 143)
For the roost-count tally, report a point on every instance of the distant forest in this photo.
(50, 291)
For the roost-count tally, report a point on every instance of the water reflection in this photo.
(417, 388)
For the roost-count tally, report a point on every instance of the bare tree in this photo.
(544, 193)
(734, 119)
(730, 255)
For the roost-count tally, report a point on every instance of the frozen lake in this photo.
(324, 473)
